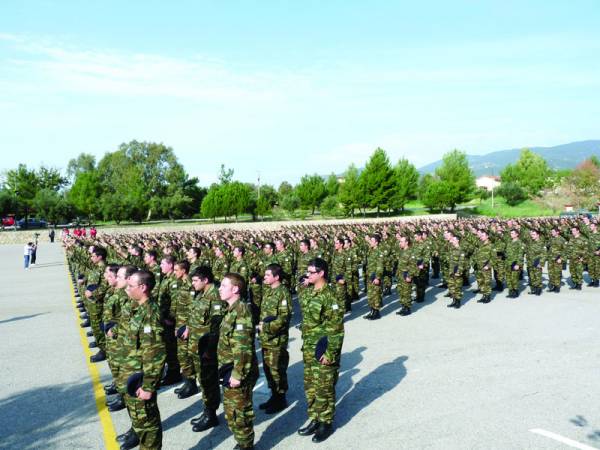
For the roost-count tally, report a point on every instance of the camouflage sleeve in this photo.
(334, 327)
(184, 306)
(242, 347)
(284, 312)
(153, 354)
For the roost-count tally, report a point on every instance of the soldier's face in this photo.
(236, 252)
(279, 246)
(165, 267)
(227, 291)
(121, 279)
(269, 279)
(179, 272)
(267, 250)
(198, 283)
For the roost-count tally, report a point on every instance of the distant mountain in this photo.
(565, 156)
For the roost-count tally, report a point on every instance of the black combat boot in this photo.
(110, 389)
(375, 315)
(482, 299)
(89, 333)
(323, 431)
(538, 291)
(447, 294)
(100, 356)
(369, 315)
(455, 304)
(207, 420)
(557, 289)
(117, 405)
(486, 298)
(404, 311)
(550, 288)
(131, 441)
(596, 283)
(348, 306)
(499, 286)
(309, 429)
(267, 403)
(92, 344)
(189, 388)
(279, 404)
(170, 378)
(443, 285)
(122, 437)
(85, 323)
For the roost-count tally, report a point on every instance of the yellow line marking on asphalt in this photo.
(108, 429)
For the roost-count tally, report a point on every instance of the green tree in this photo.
(457, 176)
(212, 204)
(225, 175)
(85, 192)
(290, 202)
(23, 183)
(531, 172)
(438, 195)
(51, 205)
(378, 181)
(285, 188)
(83, 163)
(406, 181)
(332, 185)
(311, 191)
(512, 192)
(331, 205)
(350, 190)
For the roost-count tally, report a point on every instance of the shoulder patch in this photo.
(335, 306)
(217, 307)
(284, 303)
(239, 327)
(147, 329)
(174, 286)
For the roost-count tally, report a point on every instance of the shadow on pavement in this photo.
(369, 388)
(39, 416)
(16, 318)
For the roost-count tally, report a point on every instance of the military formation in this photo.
(192, 307)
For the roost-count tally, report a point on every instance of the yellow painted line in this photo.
(108, 429)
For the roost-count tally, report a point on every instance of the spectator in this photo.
(27, 254)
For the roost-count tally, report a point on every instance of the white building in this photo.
(488, 182)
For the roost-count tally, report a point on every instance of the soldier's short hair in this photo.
(204, 273)
(170, 259)
(129, 270)
(320, 264)
(340, 240)
(99, 251)
(237, 280)
(153, 254)
(114, 268)
(241, 248)
(270, 244)
(195, 250)
(276, 270)
(305, 242)
(146, 278)
(376, 236)
(183, 264)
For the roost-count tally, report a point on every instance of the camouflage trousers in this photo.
(484, 281)
(435, 266)
(354, 287)
(374, 295)
(275, 365)
(512, 279)
(319, 387)
(95, 310)
(554, 273)
(387, 280)
(455, 286)
(256, 294)
(404, 291)
(594, 267)
(341, 293)
(171, 349)
(576, 270)
(535, 276)
(239, 412)
(145, 421)
(111, 356)
(185, 359)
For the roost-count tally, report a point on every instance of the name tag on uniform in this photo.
(217, 307)
(147, 329)
(173, 286)
(192, 293)
(335, 306)
(284, 303)
(239, 327)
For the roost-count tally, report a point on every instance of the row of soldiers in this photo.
(408, 253)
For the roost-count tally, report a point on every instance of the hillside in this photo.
(565, 156)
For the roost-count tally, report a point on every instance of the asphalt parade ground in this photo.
(512, 374)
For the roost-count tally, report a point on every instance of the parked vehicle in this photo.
(32, 222)
(9, 223)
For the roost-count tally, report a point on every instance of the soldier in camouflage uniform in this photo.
(182, 293)
(515, 252)
(577, 250)
(220, 264)
(323, 317)
(239, 265)
(164, 295)
(374, 277)
(274, 336)
(286, 260)
(536, 258)
(95, 300)
(423, 250)
(594, 256)
(206, 313)
(406, 273)
(236, 347)
(142, 350)
(151, 265)
(456, 265)
(341, 272)
(353, 260)
(556, 256)
(483, 257)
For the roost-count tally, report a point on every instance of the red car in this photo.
(8, 222)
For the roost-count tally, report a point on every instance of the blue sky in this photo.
(287, 88)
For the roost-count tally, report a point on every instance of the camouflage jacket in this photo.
(113, 305)
(141, 345)
(515, 251)
(341, 266)
(375, 264)
(181, 299)
(236, 341)
(484, 255)
(536, 253)
(276, 302)
(407, 263)
(323, 315)
(206, 312)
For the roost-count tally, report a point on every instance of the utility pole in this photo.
(258, 185)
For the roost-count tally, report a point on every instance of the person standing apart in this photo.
(27, 254)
